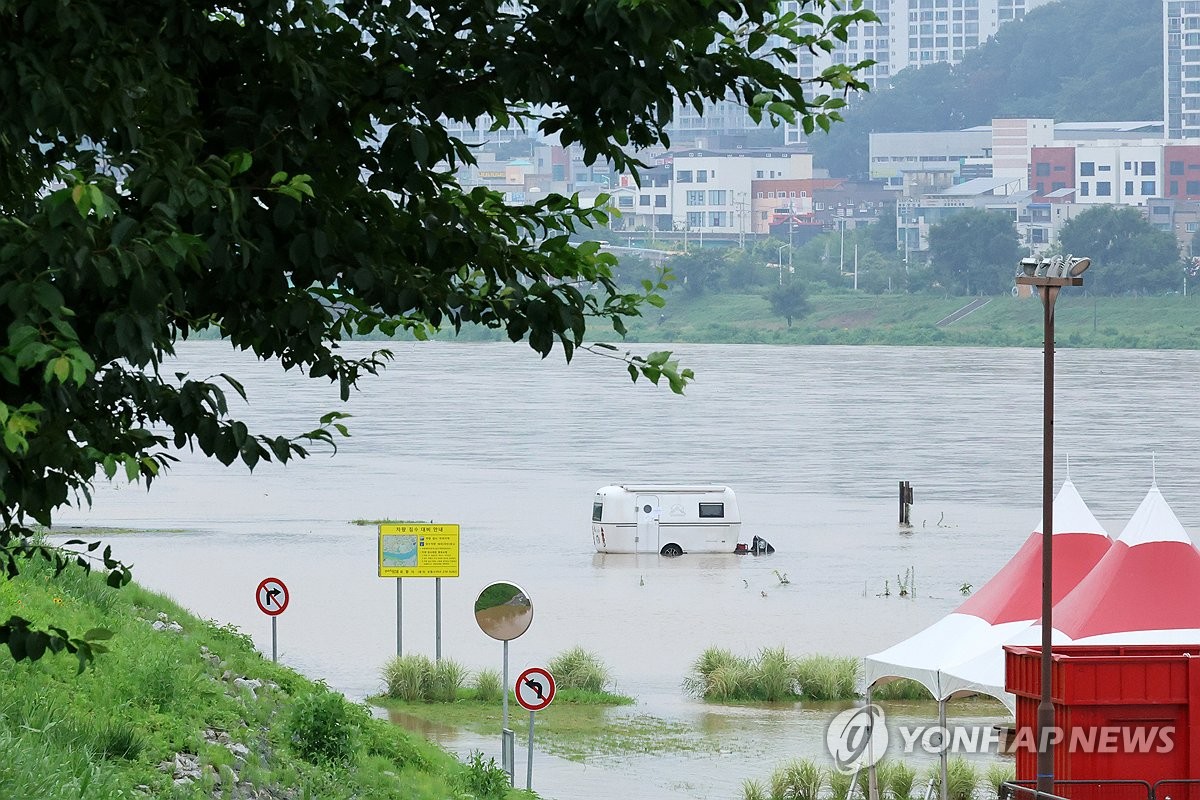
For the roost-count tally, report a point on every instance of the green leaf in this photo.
(239, 161)
(420, 147)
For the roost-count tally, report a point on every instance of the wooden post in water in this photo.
(906, 498)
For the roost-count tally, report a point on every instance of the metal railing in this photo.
(1114, 789)
(1012, 790)
(1176, 789)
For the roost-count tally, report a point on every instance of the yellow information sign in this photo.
(415, 550)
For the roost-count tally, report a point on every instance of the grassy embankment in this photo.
(1167, 322)
(182, 708)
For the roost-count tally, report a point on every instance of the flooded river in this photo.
(812, 439)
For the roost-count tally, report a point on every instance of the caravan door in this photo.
(648, 513)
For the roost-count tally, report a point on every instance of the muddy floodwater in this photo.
(505, 622)
(813, 440)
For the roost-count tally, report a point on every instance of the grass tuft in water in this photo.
(754, 790)
(448, 677)
(962, 779)
(900, 689)
(776, 675)
(797, 780)
(417, 679)
(577, 668)
(900, 780)
(487, 685)
(999, 774)
(840, 785)
(406, 677)
(771, 676)
(828, 677)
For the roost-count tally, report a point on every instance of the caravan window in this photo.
(597, 510)
(712, 509)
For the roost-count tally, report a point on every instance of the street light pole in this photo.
(842, 250)
(1049, 276)
(791, 230)
(780, 261)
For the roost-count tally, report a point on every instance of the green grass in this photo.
(91, 532)
(1166, 322)
(771, 676)
(848, 318)
(577, 668)
(576, 725)
(801, 779)
(998, 774)
(962, 778)
(415, 678)
(496, 594)
(900, 689)
(754, 790)
(487, 686)
(824, 677)
(901, 779)
(157, 694)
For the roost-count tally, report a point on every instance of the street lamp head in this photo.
(1056, 267)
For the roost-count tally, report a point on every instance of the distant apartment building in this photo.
(910, 33)
(1121, 173)
(1181, 68)
(1041, 174)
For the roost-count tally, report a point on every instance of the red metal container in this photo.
(1124, 712)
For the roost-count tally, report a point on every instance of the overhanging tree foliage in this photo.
(280, 172)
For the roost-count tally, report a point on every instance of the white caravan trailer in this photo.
(667, 519)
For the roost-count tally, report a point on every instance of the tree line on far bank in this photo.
(974, 252)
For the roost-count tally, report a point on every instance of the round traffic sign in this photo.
(271, 596)
(535, 688)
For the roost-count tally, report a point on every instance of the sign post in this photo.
(418, 550)
(503, 611)
(534, 690)
(272, 598)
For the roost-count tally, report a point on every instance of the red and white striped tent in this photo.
(1141, 592)
(1144, 590)
(997, 612)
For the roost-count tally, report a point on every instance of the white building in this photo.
(1012, 140)
(711, 191)
(893, 154)
(1120, 174)
(1002, 149)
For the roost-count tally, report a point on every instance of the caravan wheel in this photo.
(672, 550)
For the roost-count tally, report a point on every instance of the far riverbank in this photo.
(1170, 322)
